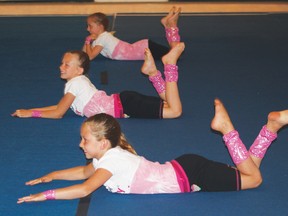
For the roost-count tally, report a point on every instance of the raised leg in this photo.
(268, 133)
(170, 23)
(173, 105)
(250, 173)
(149, 68)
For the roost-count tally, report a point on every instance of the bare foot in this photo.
(221, 121)
(149, 67)
(173, 20)
(276, 120)
(173, 55)
(164, 20)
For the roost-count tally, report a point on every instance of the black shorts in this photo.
(157, 50)
(210, 175)
(136, 105)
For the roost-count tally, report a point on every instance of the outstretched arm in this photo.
(53, 112)
(96, 180)
(75, 173)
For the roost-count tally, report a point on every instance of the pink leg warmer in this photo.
(262, 142)
(172, 34)
(158, 82)
(236, 148)
(171, 73)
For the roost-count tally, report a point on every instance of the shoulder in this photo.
(77, 82)
(115, 151)
(106, 36)
(81, 79)
(117, 160)
(106, 33)
(118, 154)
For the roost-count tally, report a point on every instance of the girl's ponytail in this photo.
(125, 145)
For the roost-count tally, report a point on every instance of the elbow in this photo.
(58, 116)
(91, 57)
(85, 192)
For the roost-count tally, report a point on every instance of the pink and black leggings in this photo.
(157, 50)
(137, 105)
(208, 175)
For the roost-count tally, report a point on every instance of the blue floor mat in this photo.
(242, 59)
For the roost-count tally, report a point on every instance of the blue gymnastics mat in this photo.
(240, 58)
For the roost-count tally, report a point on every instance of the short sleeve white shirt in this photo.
(83, 90)
(134, 174)
(122, 164)
(108, 42)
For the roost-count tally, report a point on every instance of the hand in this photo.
(93, 36)
(32, 198)
(90, 38)
(22, 113)
(43, 179)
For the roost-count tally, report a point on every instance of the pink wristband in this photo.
(88, 40)
(36, 114)
(49, 194)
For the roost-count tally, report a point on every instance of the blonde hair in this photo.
(105, 126)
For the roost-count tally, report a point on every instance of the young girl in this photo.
(102, 41)
(116, 165)
(85, 100)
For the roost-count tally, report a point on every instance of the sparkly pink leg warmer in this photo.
(262, 142)
(158, 82)
(172, 34)
(236, 148)
(171, 73)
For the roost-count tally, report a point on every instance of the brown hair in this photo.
(83, 59)
(100, 18)
(105, 126)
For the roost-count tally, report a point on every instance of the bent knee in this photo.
(177, 113)
(256, 181)
(172, 113)
(251, 181)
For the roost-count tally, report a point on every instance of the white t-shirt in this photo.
(134, 174)
(108, 42)
(122, 164)
(83, 90)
